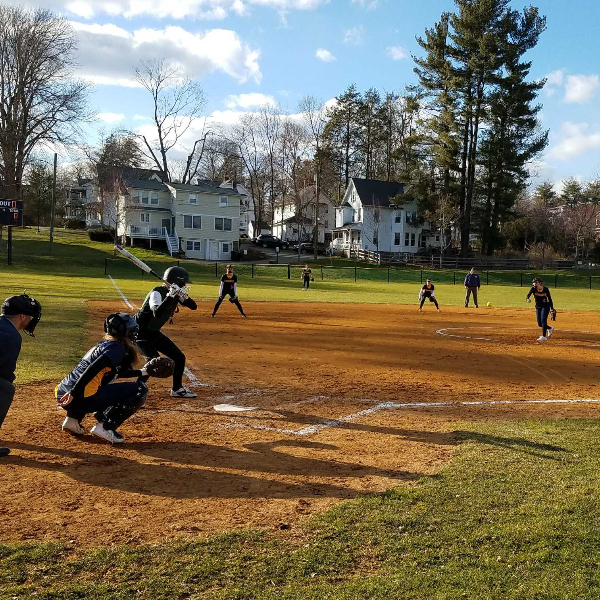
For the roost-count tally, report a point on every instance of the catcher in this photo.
(86, 388)
(544, 307)
(160, 305)
(428, 292)
(228, 288)
(306, 277)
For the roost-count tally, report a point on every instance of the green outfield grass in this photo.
(513, 517)
(74, 274)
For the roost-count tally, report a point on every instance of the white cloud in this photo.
(107, 53)
(553, 80)
(397, 52)
(367, 4)
(575, 139)
(580, 89)
(141, 118)
(174, 9)
(355, 36)
(109, 117)
(249, 100)
(324, 55)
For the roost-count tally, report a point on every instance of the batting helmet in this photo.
(121, 325)
(24, 305)
(177, 275)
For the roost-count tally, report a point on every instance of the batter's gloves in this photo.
(160, 367)
(553, 314)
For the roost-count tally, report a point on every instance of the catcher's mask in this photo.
(121, 325)
(24, 305)
(177, 275)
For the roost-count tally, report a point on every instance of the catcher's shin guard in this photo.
(114, 416)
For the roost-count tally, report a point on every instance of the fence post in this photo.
(252, 270)
(521, 279)
(555, 280)
(321, 272)
(590, 282)
(354, 273)
(454, 277)
(421, 275)
(105, 264)
(487, 279)
(289, 274)
(388, 273)
(216, 267)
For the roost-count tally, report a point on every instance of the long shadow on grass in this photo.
(537, 449)
(173, 481)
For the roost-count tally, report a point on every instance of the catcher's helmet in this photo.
(177, 275)
(24, 305)
(121, 325)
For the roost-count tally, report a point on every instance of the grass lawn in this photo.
(514, 516)
(74, 273)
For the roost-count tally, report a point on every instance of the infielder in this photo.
(543, 307)
(428, 292)
(228, 288)
(160, 305)
(86, 388)
(19, 313)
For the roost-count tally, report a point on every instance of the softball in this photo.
(489, 304)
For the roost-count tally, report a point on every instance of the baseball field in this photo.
(366, 450)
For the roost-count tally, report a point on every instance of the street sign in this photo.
(11, 213)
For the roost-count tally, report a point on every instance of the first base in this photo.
(233, 408)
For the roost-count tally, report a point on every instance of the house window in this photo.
(398, 217)
(145, 217)
(423, 241)
(397, 238)
(192, 222)
(406, 239)
(223, 224)
(191, 245)
(154, 198)
(413, 239)
(223, 201)
(409, 216)
(437, 238)
(225, 247)
(376, 238)
(193, 199)
(144, 197)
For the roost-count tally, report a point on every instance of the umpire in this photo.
(18, 313)
(472, 285)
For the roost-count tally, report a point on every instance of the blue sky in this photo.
(280, 50)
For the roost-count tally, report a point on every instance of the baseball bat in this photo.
(138, 263)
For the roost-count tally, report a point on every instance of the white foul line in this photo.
(195, 381)
(330, 423)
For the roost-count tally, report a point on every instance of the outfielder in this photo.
(543, 307)
(19, 313)
(228, 288)
(306, 277)
(86, 388)
(428, 292)
(160, 305)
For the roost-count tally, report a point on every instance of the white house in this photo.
(294, 221)
(380, 216)
(200, 220)
(246, 203)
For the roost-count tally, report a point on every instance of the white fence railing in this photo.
(173, 242)
(146, 232)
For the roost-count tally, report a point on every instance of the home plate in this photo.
(233, 408)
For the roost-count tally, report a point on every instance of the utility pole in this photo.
(316, 223)
(53, 205)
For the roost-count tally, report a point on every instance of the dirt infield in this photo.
(326, 381)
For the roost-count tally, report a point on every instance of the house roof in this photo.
(203, 189)
(145, 184)
(349, 226)
(374, 192)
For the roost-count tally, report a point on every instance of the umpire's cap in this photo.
(24, 305)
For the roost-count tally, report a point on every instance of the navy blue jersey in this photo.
(100, 366)
(543, 298)
(228, 284)
(427, 290)
(10, 346)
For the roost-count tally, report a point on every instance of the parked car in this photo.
(308, 248)
(266, 240)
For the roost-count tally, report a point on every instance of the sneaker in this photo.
(439, 310)
(73, 426)
(476, 306)
(542, 338)
(244, 317)
(550, 332)
(4, 451)
(420, 310)
(107, 434)
(182, 392)
(213, 316)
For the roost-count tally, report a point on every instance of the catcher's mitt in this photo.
(160, 367)
(232, 300)
(312, 278)
(553, 314)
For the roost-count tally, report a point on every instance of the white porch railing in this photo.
(173, 242)
(146, 232)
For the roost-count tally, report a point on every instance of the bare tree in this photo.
(269, 126)
(40, 102)
(178, 102)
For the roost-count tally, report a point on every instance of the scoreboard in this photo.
(11, 212)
